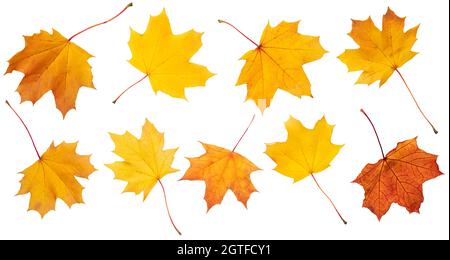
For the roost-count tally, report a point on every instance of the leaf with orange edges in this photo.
(222, 170)
(51, 62)
(381, 52)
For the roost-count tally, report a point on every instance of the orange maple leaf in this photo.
(51, 62)
(382, 52)
(222, 170)
(398, 178)
(277, 62)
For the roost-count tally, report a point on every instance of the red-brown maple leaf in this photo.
(398, 178)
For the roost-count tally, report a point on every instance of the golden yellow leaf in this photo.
(381, 52)
(277, 63)
(53, 176)
(165, 57)
(145, 160)
(222, 170)
(306, 151)
(51, 62)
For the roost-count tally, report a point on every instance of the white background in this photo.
(217, 114)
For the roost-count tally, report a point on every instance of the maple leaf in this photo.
(382, 53)
(145, 162)
(53, 176)
(277, 63)
(305, 152)
(397, 178)
(165, 57)
(222, 170)
(51, 62)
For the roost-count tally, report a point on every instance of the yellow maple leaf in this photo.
(145, 161)
(165, 57)
(381, 52)
(277, 63)
(53, 176)
(222, 170)
(51, 62)
(306, 151)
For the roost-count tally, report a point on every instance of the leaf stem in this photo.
(26, 128)
(105, 22)
(245, 132)
(417, 103)
(375, 130)
(239, 31)
(130, 87)
(332, 203)
(167, 207)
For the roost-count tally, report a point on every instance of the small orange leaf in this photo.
(222, 170)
